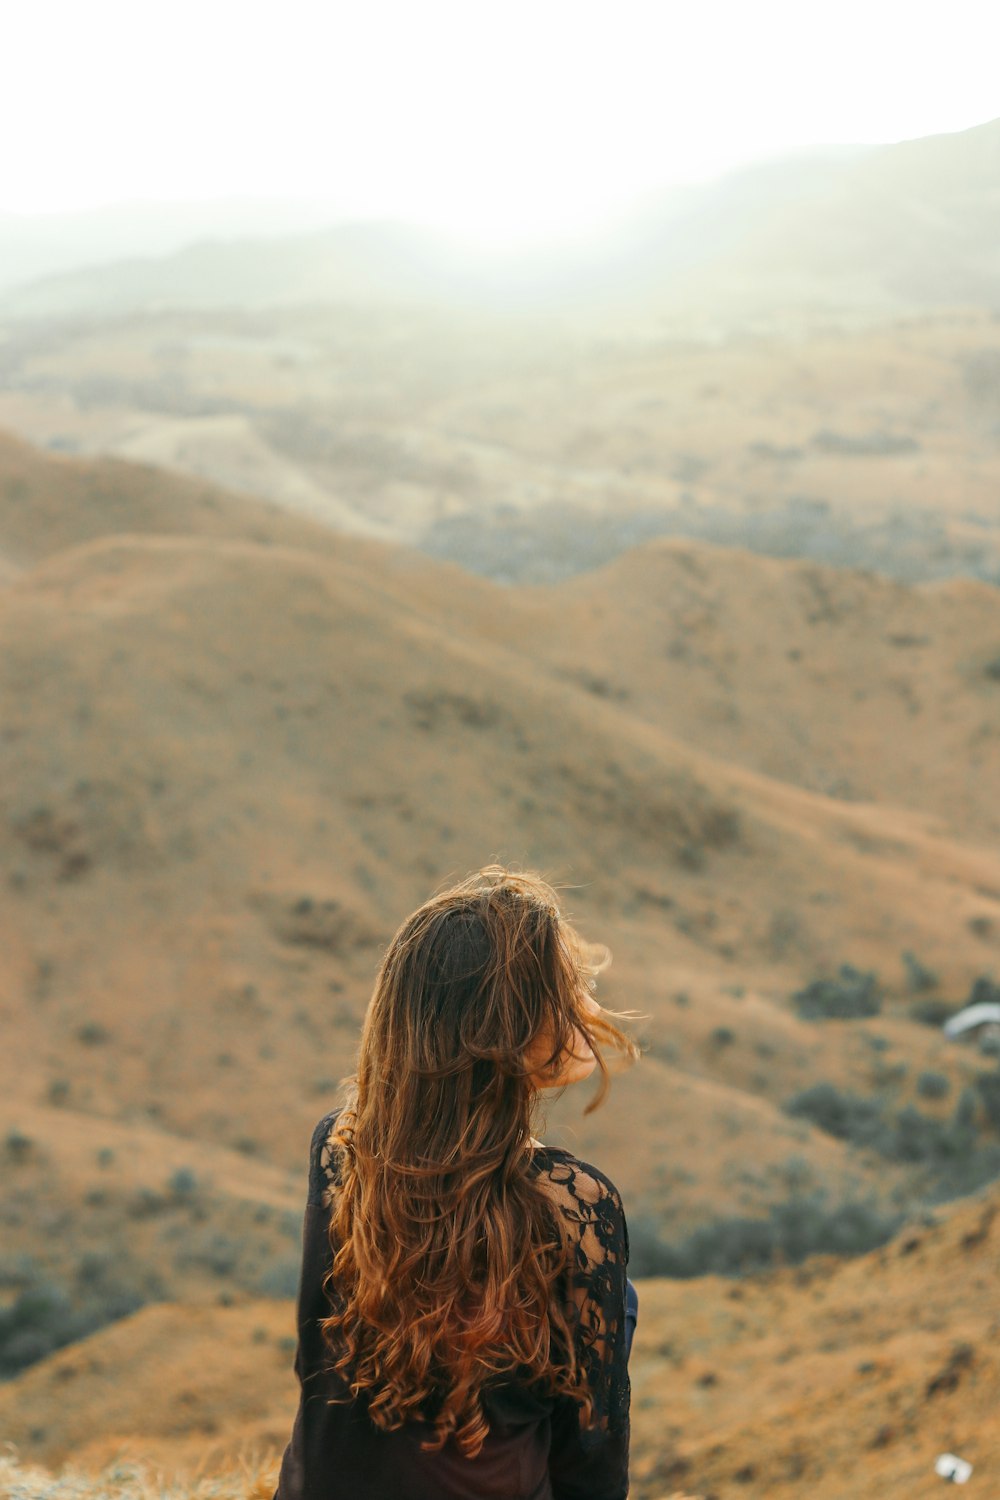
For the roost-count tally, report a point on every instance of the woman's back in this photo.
(537, 1447)
(463, 1307)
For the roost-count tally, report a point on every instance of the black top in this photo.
(537, 1448)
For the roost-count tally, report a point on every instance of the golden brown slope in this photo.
(227, 769)
(832, 1380)
(847, 683)
(48, 503)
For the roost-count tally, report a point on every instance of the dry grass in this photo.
(126, 1480)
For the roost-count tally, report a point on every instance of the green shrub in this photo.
(848, 1117)
(280, 1278)
(932, 1085)
(851, 996)
(984, 992)
(932, 1012)
(919, 977)
(917, 1137)
(93, 1034)
(988, 1086)
(18, 1146)
(967, 1174)
(183, 1183)
(44, 1318)
(804, 1224)
(910, 1136)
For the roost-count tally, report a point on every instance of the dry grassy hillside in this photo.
(844, 683)
(231, 761)
(528, 449)
(48, 503)
(240, 764)
(832, 1380)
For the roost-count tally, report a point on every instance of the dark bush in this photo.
(211, 1250)
(984, 992)
(919, 1138)
(851, 996)
(44, 1318)
(18, 1146)
(910, 1136)
(988, 1085)
(646, 1247)
(849, 1117)
(805, 1224)
(931, 1012)
(281, 1277)
(918, 976)
(93, 1034)
(183, 1183)
(933, 1085)
(967, 1174)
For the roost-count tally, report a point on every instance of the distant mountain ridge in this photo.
(907, 224)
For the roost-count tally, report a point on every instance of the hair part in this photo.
(445, 1248)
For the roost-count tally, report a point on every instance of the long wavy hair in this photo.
(445, 1249)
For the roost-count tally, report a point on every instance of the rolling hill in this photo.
(905, 225)
(236, 749)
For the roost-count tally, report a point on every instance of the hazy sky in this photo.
(500, 118)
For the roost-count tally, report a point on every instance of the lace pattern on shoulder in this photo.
(324, 1171)
(594, 1219)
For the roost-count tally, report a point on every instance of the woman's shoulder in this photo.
(579, 1188)
(324, 1161)
(589, 1207)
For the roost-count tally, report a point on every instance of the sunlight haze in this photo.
(502, 124)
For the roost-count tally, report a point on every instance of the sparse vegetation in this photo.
(44, 1317)
(852, 995)
(988, 1086)
(952, 1149)
(931, 1012)
(984, 992)
(183, 1183)
(722, 1036)
(804, 1224)
(931, 1085)
(93, 1034)
(280, 1278)
(919, 977)
(875, 444)
(18, 1146)
(847, 1116)
(253, 1480)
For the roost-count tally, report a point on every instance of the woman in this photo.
(464, 1313)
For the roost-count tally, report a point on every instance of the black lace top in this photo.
(537, 1447)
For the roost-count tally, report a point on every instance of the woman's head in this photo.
(443, 1251)
(483, 998)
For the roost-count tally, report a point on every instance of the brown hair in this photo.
(445, 1248)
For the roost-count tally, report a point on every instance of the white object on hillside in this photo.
(987, 1013)
(955, 1469)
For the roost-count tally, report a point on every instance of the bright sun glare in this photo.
(504, 122)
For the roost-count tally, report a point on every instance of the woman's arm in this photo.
(297, 1479)
(590, 1461)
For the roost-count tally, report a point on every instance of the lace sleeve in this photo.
(323, 1165)
(591, 1459)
